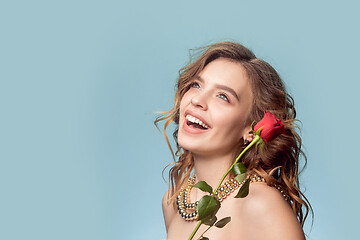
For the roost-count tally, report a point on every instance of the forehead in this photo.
(228, 73)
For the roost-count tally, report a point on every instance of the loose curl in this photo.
(278, 163)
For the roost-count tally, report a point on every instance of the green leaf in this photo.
(239, 168)
(208, 206)
(252, 125)
(240, 177)
(258, 131)
(221, 223)
(203, 186)
(204, 238)
(261, 143)
(244, 190)
(209, 220)
(262, 146)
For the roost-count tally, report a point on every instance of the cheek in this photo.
(183, 103)
(232, 127)
(185, 99)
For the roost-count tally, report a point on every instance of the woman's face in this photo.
(213, 112)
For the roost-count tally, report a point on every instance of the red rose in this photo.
(271, 127)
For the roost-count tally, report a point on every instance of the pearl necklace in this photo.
(188, 210)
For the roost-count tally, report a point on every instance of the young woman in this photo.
(219, 97)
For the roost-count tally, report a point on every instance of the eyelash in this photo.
(193, 85)
(222, 96)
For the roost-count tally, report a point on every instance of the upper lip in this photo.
(189, 112)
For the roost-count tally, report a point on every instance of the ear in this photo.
(248, 136)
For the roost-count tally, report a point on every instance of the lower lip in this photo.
(192, 130)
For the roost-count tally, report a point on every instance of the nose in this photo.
(200, 100)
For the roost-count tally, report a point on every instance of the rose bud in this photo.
(271, 127)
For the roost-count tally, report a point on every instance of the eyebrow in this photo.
(223, 87)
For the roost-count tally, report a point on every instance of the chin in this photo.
(189, 144)
(195, 147)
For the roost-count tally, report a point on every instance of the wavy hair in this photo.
(278, 163)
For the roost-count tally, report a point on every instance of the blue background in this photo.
(81, 82)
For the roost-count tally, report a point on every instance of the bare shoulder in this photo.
(167, 209)
(268, 215)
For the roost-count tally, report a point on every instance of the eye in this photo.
(223, 97)
(194, 85)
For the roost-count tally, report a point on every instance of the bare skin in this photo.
(263, 214)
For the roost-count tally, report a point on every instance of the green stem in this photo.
(255, 140)
(205, 232)
(195, 230)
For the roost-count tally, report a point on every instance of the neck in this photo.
(211, 169)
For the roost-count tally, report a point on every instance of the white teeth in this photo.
(197, 121)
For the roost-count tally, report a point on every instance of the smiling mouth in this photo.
(196, 123)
